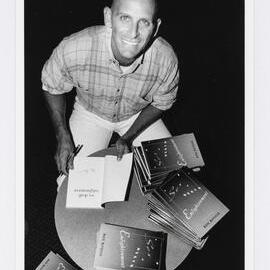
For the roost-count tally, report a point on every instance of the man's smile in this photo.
(129, 42)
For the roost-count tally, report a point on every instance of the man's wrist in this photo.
(128, 138)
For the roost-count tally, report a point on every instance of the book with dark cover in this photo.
(121, 247)
(144, 183)
(155, 159)
(185, 198)
(187, 145)
(174, 230)
(177, 201)
(54, 262)
(172, 153)
(162, 155)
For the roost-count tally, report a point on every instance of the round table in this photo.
(77, 228)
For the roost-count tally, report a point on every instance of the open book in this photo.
(97, 180)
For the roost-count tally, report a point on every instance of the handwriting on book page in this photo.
(85, 192)
(85, 183)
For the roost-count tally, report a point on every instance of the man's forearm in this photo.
(147, 116)
(57, 108)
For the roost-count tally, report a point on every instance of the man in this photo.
(125, 77)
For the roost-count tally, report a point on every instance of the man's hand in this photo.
(64, 155)
(121, 147)
(147, 116)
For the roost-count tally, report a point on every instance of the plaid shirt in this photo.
(85, 61)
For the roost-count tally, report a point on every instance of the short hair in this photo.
(156, 2)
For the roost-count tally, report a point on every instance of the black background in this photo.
(208, 37)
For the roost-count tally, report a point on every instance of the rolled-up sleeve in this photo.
(55, 77)
(166, 93)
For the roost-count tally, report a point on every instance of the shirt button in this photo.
(118, 90)
(114, 115)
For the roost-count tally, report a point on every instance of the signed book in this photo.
(54, 262)
(155, 159)
(121, 247)
(97, 180)
(186, 206)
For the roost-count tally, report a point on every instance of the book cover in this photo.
(54, 262)
(121, 247)
(172, 153)
(189, 148)
(191, 202)
(162, 155)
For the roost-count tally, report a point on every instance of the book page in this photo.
(116, 177)
(85, 183)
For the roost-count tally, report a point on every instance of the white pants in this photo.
(94, 133)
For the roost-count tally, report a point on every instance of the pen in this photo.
(74, 153)
(76, 150)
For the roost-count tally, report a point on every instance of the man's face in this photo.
(132, 27)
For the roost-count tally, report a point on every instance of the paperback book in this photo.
(155, 159)
(54, 262)
(121, 247)
(97, 180)
(184, 206)
(178, 232)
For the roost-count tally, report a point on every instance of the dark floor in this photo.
(41, 235)
(208, 38)
(225, 243)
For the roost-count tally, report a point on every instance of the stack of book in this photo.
(121, 247)
(186, 208)
(177, 201)
(155, 159)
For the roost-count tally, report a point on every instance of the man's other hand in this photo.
(121, 148)
(64, 155)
